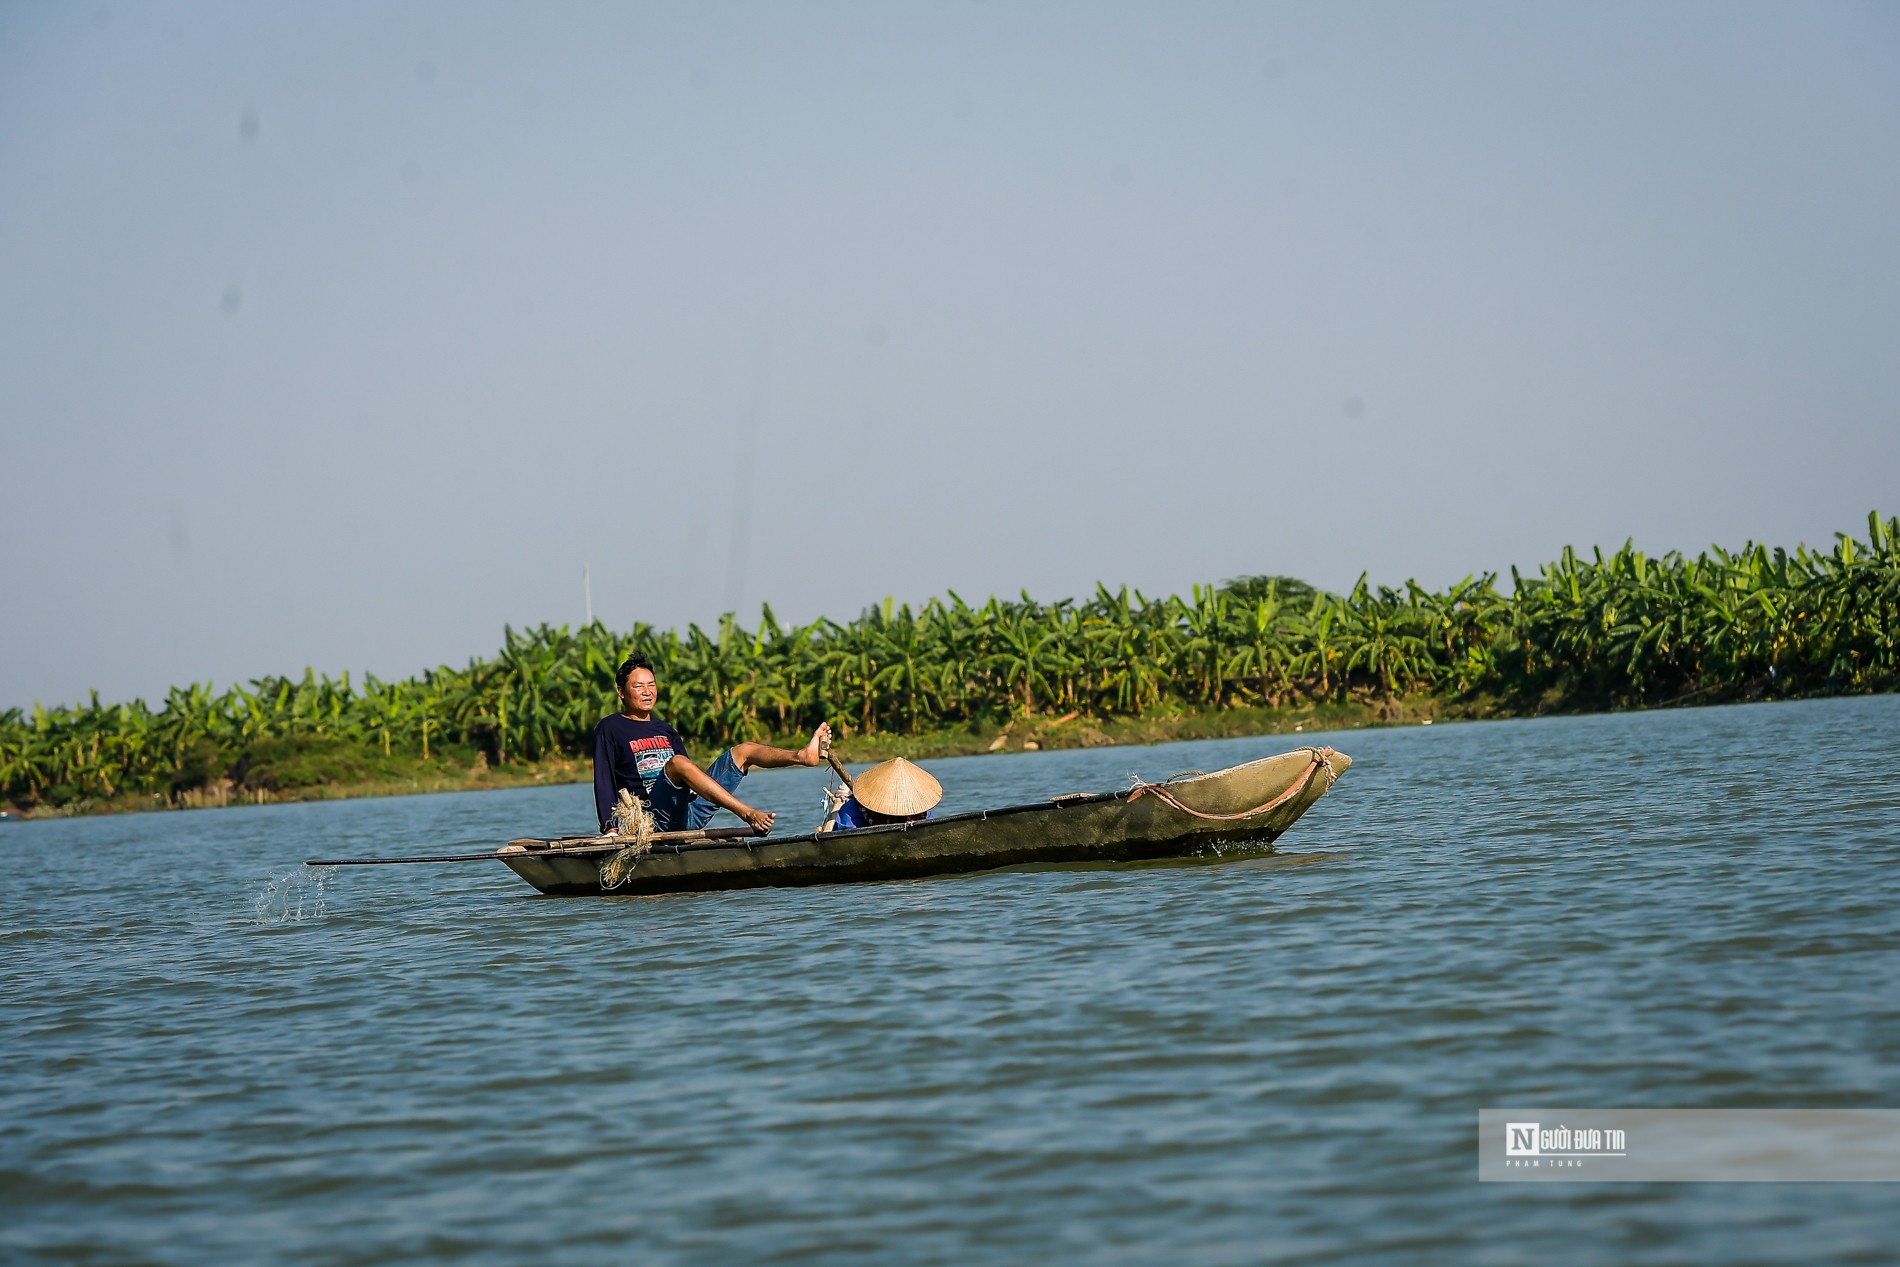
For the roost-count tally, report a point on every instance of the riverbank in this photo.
(315, 771)
(382, 776)
(318, 771)
(283, 772)
(1071, 730)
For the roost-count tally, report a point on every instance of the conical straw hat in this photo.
(896, 788)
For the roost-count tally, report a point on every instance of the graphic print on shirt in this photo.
(650, 756)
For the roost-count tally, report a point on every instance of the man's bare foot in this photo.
(814, 752)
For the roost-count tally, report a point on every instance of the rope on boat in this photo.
(1322, 757)
(630, 819)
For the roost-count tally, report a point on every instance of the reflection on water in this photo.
(219, 1056)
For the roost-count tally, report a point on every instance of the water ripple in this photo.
(220, 1056)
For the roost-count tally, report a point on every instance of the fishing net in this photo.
(1321, 759)
(633, 824)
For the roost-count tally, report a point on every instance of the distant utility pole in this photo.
(587, 587)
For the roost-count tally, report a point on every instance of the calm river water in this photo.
(205, 1058)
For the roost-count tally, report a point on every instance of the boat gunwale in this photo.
(753, 842)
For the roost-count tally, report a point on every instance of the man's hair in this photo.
(627, 667)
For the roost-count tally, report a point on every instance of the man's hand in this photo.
(758, 820)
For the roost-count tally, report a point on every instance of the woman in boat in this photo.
(892, 791)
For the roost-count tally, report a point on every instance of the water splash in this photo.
(293, 898)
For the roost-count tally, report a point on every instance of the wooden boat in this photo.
(1239, 811)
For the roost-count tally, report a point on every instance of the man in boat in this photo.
(637, 751)
(892, 791)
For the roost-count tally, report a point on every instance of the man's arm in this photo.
(604, 791)
(682, 771)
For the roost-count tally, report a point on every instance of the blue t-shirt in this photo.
(630, 754)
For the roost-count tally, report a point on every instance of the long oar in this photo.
(591, 844)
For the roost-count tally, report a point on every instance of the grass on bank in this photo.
(277, 771)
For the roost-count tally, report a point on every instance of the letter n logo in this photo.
(1520, 1139)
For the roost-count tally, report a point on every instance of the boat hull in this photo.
(1201, 814)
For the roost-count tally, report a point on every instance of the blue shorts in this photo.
(682, 809)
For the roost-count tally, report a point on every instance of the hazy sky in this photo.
(342, 334)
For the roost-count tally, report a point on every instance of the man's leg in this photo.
(759, 756)
(669, 804)
(727, 773)
(713, 793)
(735, 761)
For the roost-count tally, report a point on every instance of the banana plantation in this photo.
(1586, 632)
